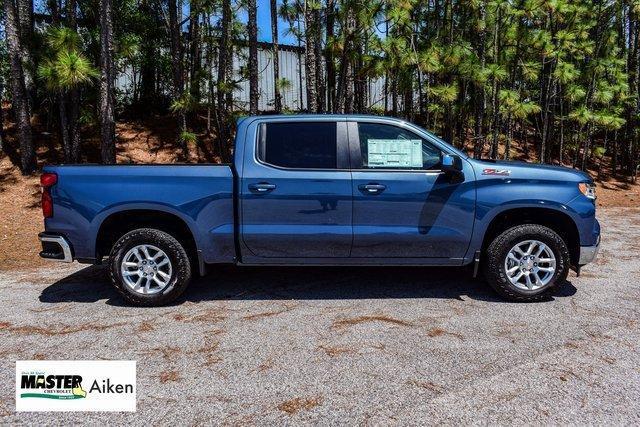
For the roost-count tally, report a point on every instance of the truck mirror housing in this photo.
(451, 163)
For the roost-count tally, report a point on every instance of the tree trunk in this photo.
(62, 98)
(19, 95)
(1, 118)
(64, 128)
(321, 89)
(300, 70)
(277, 97)
(386, 69)
(223, 59)
(310, 58)
(73, 115)
(252, 29)
(107, 95)
(175, 49)
(25, 19)
(479, 93)
(634, 86)
(344, 96)
(210, 77)
(147, 92)
(495, 87)
(329, 59)
(196, 59)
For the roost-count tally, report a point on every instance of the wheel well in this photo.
(557, 221)
(120, 223)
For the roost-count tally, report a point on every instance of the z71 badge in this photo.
(502, 172)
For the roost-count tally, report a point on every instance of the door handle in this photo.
(261, 188)
(372, 188)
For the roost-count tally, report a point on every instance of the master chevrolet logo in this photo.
(53, 386)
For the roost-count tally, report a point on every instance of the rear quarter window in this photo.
(299, 145)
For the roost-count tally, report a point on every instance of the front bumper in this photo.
(588, 253)
(55, 247)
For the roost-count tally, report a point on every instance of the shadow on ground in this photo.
(297, 283)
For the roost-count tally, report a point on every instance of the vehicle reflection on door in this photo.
(419, 215)
(328, 203)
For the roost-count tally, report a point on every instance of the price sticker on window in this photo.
(394, 153)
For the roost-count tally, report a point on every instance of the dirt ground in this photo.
(329, 346)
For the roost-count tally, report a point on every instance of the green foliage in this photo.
(186, 103)
(188, 137)
(67, 70)
(512, 106)
(62, 39)
(64, 67)
(445, 93)
(284, 84)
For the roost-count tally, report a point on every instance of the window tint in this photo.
(391, 147)
(299, 145)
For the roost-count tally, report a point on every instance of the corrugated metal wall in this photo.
(291, 63)
(293, 96)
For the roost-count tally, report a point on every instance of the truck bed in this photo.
(199, 195)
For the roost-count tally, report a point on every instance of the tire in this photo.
(496, 257)
(170, 279)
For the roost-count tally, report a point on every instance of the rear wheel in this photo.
(526, 262)
(149, 267)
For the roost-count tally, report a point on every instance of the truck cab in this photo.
(324, 190)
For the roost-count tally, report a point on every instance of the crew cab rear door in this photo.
(296, 199)
(404, 206)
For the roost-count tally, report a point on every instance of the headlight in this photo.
(589, 190)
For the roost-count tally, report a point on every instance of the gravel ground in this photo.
(350, 345)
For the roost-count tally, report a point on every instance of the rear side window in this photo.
(299, 145)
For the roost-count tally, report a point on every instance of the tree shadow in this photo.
(7, 178)
(228, 283)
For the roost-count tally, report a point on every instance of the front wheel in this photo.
(526, 262)
(149, 267)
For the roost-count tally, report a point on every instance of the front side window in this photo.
(299, 145)
(390, 147)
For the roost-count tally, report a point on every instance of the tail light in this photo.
(47, 180)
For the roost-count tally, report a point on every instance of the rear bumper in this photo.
(588, 253)
(55, 247)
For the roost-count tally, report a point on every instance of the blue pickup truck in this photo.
(323, 190)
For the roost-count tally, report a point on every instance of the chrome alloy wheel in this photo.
(530, 265)
(146, 269)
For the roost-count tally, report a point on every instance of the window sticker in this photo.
(394, 153)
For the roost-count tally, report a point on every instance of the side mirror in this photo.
(451, 164)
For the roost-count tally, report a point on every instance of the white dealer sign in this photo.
(75, 385)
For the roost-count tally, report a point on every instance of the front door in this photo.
(296, 192)
(403, 205)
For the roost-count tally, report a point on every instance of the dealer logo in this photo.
(52, 386)
(84, 385)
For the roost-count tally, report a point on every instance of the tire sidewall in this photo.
(500, 247)
(180, 266)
